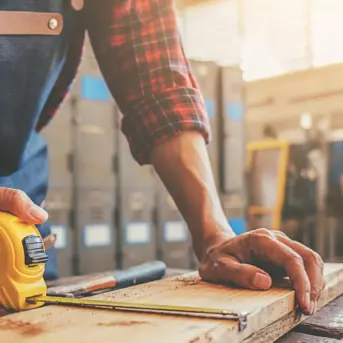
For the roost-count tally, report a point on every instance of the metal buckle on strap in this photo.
(77, 4)
(30, 23)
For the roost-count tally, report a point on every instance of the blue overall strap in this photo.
(35, 168)
(30, 64)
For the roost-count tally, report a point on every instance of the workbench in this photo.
(325, 326)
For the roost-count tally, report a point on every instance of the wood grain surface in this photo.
(271, 315)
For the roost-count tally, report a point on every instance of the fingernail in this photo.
(307, 303)
(261, 281)
(315, 307)
(312, 306)
(38, 213)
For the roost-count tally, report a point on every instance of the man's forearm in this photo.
(184, 167)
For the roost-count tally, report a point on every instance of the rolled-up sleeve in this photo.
(140, 54)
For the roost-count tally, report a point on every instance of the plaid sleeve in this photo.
(140, 54)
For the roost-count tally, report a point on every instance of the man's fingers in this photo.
(314, 266)
(49, 241)
(269, 249)
(244, 275)
(19, 204)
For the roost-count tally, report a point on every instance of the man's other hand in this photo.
(19, 204)
(252, 259)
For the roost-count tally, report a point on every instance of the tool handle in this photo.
(143, 273)
(87, 285)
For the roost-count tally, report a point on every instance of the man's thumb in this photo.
(244, 275)
(18, 203)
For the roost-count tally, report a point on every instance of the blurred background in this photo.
(271, 73)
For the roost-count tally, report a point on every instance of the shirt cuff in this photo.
(159, 117)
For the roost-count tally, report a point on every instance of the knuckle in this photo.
(18, 196)
(297, 259)
(8, 197)
(264, 232)
(261, 234)
(280, 234)
(257, 238)
(317, 290)
(6, 192)
(17, 200)
(11, 199)
(315, 293)
(263, 239)
(314, 258)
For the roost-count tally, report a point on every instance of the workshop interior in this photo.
(271, 76)
(272, 91)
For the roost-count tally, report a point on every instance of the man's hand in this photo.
(249, 260)
(252, 259)
(19, 204)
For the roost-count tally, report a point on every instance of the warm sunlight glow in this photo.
(266, 37)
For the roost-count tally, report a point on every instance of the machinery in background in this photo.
(299, 213)
(232, 148)
(93, 171)
(59, 202)
(135, 193)
(282, 183)
(334, 199)
(312, 192)
(267, 164)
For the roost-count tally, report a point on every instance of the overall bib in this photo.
(31, 58)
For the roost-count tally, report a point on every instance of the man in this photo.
(137, 46)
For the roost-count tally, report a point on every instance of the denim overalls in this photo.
(29, 67)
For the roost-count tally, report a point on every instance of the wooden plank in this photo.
(271, 315)
(297, 337)
(327, 322)
(270, 333)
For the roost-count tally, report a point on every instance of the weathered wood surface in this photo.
(271, 315)
(334, 288)
(297, 337)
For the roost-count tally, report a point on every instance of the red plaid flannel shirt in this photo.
(137, 46)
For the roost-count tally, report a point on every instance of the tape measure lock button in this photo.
(34, 250)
